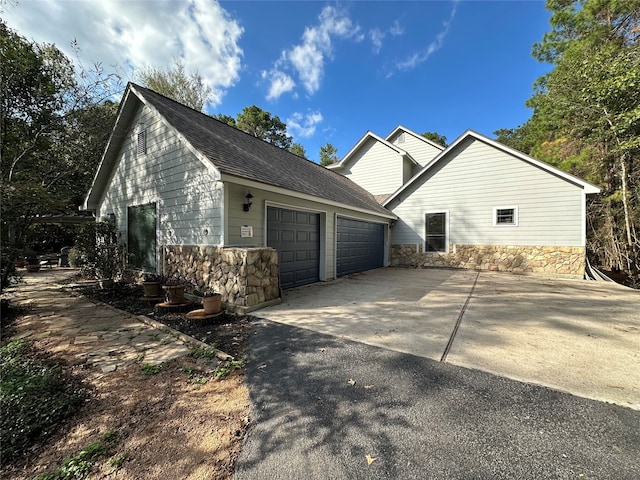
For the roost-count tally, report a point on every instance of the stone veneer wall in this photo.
(519, 259)
(247, 278)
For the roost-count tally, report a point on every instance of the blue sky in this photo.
(330, 70)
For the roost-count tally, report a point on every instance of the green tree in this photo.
(262, 125)
(299, 150)
(228, 119)
(328, 154)
(175, 83)
(54, 125)
(436, 138)
(586, 117)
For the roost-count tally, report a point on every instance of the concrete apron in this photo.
(572, 335)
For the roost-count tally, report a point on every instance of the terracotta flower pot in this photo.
(212, 304)
(175, 293)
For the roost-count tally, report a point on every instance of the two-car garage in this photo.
(296, 235)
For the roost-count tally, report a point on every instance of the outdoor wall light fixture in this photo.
(248, 202)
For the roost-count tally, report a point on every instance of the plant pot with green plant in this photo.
(211, 301)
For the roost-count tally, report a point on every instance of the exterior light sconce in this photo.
(248, 202)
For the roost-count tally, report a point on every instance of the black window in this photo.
(436, 232)
(506, 216)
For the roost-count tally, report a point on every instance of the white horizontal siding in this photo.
(420, 151)
(477, 178)
(376, 168)
(237, 217)
(189, 200)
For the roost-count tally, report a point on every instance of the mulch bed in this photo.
(229, 333)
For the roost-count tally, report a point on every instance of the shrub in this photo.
(99, 250)
(36, 395)
(75, 258)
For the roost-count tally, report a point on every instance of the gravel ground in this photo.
(323, 407)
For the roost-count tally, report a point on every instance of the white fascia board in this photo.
(587, 187)
(98, 184)
(303, 196)
(416, 135)
(362, 140)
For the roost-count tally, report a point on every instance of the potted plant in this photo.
(174, 290)
(32, 262)
(152, 285)
(211, 301)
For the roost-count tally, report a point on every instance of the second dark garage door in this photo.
(360, 246)
(296, 237)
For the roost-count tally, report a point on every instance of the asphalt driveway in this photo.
(329, 408)
(572, 335)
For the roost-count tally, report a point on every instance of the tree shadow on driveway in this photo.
(321, 405)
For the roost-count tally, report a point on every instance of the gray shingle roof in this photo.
(240, 154)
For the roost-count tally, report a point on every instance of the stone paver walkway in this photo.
(95, 334)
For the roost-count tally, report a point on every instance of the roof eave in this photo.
(586, 186)
(304, 196)
(103, 172)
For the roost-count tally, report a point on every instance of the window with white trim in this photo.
(505, 216)
(435, 235)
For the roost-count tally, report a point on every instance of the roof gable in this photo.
(400, 128)
(351, 154)
(234, 153)
(587, 187)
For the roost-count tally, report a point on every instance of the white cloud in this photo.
(280, 83)
(136, 34)
(421, 56)
(377, 36)
(304, 126)
(308, 58)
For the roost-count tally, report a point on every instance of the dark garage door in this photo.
(296, 237)
(360, 246)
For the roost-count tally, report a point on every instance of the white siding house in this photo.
(421, 149)
(476, 204)
(195, 197)
(378, 166)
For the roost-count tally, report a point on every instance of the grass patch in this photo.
(149, 369)
(202, 352)
(227, 367)
(79, 466)
(195, 376)
(36, 395)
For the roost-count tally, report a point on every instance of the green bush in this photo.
(75, 258)
(99, 250)
(36, 395)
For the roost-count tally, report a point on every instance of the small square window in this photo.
(505, 216)
(142, 143)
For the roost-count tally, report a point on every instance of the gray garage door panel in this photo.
(296, 237)
(360, 246)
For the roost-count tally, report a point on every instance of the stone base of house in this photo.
(553, 260)
(247, 278)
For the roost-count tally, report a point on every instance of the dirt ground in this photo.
(180, 423)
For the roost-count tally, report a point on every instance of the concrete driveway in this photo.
(572, 335)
